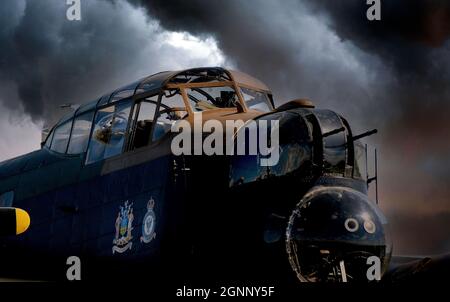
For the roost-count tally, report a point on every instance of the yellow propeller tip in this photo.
(22, 221)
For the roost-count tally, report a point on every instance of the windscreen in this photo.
(210, 98)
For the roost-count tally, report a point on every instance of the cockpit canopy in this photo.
(142, 112)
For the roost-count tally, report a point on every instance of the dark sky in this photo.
(391, 74)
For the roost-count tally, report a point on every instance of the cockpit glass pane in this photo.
(121, 95)
(209, 98)
(109, 132)
(80, 133)
(61, 137)
(118, 130)
(144, 123)
(48, 142)
(360, 162)
(104, 100)
(124, 92)
(171, 109)
(256, 100)
(334, 143)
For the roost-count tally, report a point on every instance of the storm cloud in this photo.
(52, 61)
(391, 74)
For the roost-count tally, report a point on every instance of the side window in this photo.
(171, 109)
(48, 143)
(61, 137)
(144, 123)
(6, 199)
(109, 132)
(80, 133)
(256, 100)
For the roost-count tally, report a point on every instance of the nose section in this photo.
(336, 229)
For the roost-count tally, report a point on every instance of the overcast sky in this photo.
(391, 74)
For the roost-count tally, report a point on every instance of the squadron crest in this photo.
(124, 226)
(149, 223)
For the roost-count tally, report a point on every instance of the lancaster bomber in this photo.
(106, 187)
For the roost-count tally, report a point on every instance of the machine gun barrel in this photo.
(365, 134)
